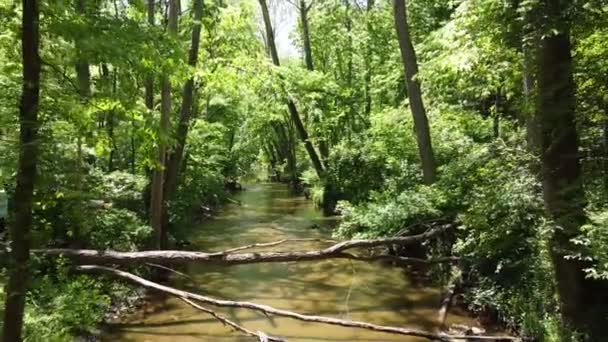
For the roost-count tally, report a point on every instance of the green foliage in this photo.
(96, 153)
(203, 179)
(117, 229)
(388, 213)
(595, 239)
(61, 305)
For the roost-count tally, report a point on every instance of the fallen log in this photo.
(268, 310)
(226, 258)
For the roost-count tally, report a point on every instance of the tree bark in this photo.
(410, 64)
(83, 77)
(175, 158)
(26, 175)
(339, 250)
(157, 199)
(291, 106)
(149, 85)
(605, 162)
(368, 55)
(303, 7)
(562, 181)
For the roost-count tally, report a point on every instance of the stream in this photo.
(338, 288)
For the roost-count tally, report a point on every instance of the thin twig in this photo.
(181, 274)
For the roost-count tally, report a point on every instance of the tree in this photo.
(176, 156)
(304, 9)
(293, 111)
(156, 197)
(26, 174)
(149, 85)
(563, 192)
(410, 65)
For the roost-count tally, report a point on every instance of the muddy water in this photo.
(338, 288)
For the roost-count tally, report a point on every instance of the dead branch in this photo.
(232, 324)
(446, 303)
(274, 243)
(181, 274)
(268, 310)
(87, 256)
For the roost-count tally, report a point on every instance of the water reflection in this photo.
(338, 288)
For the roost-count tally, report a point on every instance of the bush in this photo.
(117, 229)
(60, 306)
(388, 213)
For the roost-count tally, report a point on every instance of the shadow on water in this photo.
(337, 288)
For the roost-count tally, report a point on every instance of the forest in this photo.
(215, 151)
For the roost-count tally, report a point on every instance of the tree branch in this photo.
(272, 244)
(232, 324)
(336, 251)
(268, 310)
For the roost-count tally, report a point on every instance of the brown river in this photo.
(338, 288)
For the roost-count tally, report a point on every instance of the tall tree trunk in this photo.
(175, 158)
(304, 8)
(605, 162)
(293, 111)
(410, 64)
(497, 112)
(156, 200)
(149, 100)
(368, 55)
(110, 84)
(532, 129)
(19, 230)
(562, 182)
(83, 76)
(149, 86)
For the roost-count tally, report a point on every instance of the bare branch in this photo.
(181, 274)
(268, 310)
(87, 256)
(312, 2)
(230, 323)
(274, 243)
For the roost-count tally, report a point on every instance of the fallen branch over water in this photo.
(274, 243)
(258, 335)
(336, 251)
(268, 310)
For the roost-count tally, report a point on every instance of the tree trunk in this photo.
(156, 201)
(19, 230)
(149, 100)
(303, 7)
(562, 182)
(149, 86)
(368, 54)
(293, 111)
(605, 162)
(83, 76)
(176, 157)
(497, 112)
(410, 64)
